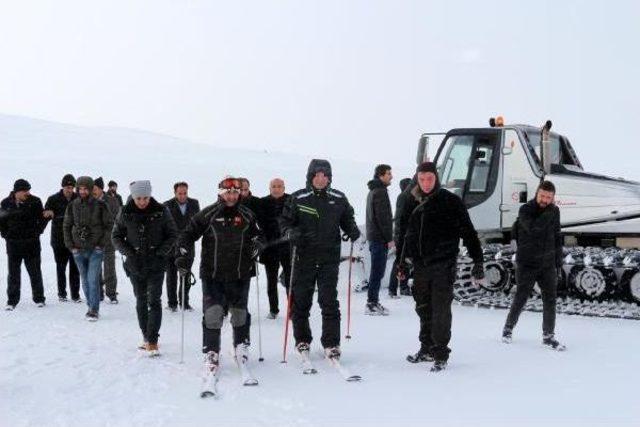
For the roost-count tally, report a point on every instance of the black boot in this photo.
(421, 356)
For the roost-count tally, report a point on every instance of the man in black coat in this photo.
(144, 232)
(312, 220)
(538, 259)
(113, 192)
(277, 252)
(231, 242)
(379, 235)
(55, 208)
(432, 243)
(182, 209)
(405, 204)
(21, 224)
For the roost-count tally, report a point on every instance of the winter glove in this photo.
(477, 272)
(182, 264)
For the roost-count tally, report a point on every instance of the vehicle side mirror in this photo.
(423, 149)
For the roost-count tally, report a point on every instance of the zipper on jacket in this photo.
(240, 257)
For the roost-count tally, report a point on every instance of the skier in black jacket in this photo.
(538, 259)
(312, 220)
(144, 232)
(182, 209)
(432, 243)
(277, 253)
(21, 224)
(231, 242)
(55, 208)
(379, 235)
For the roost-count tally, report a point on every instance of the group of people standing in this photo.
(301, 232)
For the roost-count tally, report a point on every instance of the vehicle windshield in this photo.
(458, 155)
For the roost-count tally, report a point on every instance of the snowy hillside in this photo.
(56, 369)
(42, 152)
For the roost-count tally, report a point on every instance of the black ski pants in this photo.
(218, 296)
(64, 257)
(305, 278)
(147, 287)
(433, 294)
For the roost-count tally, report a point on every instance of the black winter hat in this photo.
(99, 182)
(427, 167)
(112, 183)
(68, 179)
(21, 185)
(318, 165)
(404, 183)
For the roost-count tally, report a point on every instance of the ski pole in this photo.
(348, 336)
(286, 323)
(260, 358)
(182, 290)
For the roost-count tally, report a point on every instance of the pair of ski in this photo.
(309, 369)
(210, 380)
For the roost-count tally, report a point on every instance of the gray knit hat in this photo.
(140, 188)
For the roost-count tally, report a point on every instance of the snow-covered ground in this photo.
(56, 369)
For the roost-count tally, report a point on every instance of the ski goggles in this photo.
(229, 185)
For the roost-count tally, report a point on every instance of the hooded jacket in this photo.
(379, 216)
(317, 216)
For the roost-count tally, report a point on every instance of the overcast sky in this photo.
(340, 78)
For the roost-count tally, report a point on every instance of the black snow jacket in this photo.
(21, 221)
(193, 207)
(269, 222)
(405, 204)
(58, 204)
(146, 237)
(317, 216)
(229, 236)
(436, 227)
(379, 215)
(537, 232)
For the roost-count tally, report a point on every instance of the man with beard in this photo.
(538, 259)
